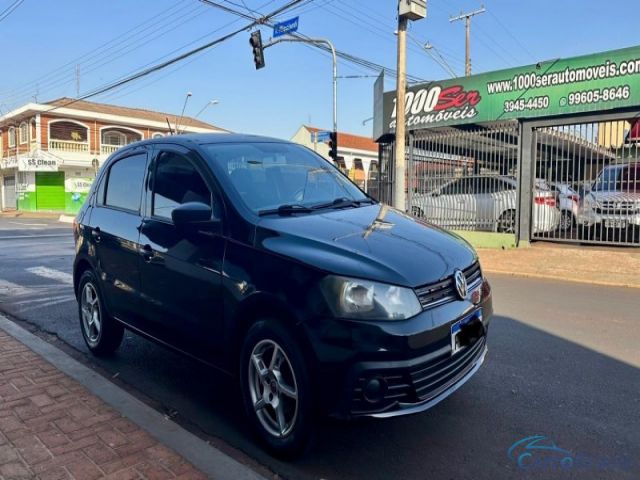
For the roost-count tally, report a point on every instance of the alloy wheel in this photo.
(273, 388)
(91, 318)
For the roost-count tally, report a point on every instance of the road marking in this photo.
(52, 274)
(49, 303)
(7, 287)
(51, 235)
(30, 224)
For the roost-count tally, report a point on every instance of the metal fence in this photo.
(464, 179)
(593, 169)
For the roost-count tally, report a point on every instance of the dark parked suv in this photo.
(259, 257)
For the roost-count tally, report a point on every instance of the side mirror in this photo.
(194, 215)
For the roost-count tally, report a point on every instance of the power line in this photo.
(10, 9)
(97, 56)
(515, 38)
(163, 65)
(346, 56)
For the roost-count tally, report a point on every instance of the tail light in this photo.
(574, 198)
(549, 201)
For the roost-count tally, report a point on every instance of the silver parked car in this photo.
(614, 199)
(484, 202)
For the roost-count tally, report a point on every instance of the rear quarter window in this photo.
(124, 183)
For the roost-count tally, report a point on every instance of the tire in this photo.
(507, 222)
(416, 212)
(102, 334)
(278, 401)
(567, 221)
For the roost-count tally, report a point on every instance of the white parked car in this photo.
(614, 199)
(568, 204)
(484, 203)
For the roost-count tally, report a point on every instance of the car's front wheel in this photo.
(276, 388)
(102, 334)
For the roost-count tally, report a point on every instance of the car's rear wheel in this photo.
(507, 222)
(417, 212)
(567, 220)
(102, 334)
(276, 389)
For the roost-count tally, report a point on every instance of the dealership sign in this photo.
(597, 82)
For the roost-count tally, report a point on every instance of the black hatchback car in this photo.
(259, 257)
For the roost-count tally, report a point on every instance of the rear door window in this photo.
(124, 183)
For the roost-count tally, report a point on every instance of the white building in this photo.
(357, 155)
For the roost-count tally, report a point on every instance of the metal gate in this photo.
(593, 169)
(381, 188)
(9, 193)
(464, 178)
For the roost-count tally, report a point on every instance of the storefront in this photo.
(40, 183)
(521, 151)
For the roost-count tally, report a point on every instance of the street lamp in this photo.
(186, 99)
(206, 105)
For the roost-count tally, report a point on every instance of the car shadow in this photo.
(533, 383)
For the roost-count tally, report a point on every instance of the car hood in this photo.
(374, 242)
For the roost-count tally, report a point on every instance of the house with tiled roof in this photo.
(357, 155)
(50, 152)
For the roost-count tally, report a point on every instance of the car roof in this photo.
(207, 138)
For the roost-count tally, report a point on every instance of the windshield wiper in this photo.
(286, 209)
(343, 202)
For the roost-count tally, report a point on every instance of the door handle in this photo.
(147, 252)
(95, 234)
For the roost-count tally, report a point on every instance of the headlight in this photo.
(363, 299)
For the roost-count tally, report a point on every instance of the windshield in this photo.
(271, 175)
(608, 180)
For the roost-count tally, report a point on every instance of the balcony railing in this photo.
(108, 149)
(69, 146)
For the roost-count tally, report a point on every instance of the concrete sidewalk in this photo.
(60, 420)
(585, 264)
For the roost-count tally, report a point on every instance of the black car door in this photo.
(181, 270)
(114, 233)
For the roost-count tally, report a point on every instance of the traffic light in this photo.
(333, 145)
(258, 50)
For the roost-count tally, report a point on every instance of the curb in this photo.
(206, 458)
(560, 279)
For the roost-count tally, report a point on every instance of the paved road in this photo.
(563, 362)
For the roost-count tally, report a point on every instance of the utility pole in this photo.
(407, 10)
(467, 25)
(399, 199)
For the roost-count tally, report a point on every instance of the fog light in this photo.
(375, 389)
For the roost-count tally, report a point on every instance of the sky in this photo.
(46, 42)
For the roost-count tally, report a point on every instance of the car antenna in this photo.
(169, 124)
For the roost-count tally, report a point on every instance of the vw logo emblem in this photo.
(461, 284)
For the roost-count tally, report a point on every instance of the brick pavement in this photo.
(52, 428)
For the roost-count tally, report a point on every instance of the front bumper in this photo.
(590, 218)
(385, 369)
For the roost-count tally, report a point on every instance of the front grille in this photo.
(432, 379)
(618, 208)
(419, 383)
(444, 291)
